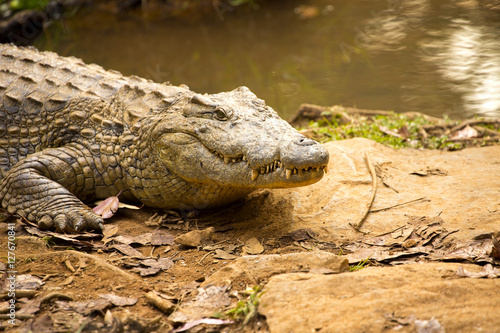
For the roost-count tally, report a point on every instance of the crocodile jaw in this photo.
(187, 157)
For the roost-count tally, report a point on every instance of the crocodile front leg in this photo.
(42, 188)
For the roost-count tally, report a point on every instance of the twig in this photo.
(472, 122)
(202, 258)
(358, 225)
(52, 295)
(487, 131)
(473, 139)
(20, 294)
(99, 262)
(69, 266)
(159, 302)
(390, 232)
(397, 205)
(20, 316)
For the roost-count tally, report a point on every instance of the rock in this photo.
(195, 238)
(256, 269)
(375, 299)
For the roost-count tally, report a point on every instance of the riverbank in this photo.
(22, 21)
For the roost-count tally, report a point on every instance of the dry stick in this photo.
(202, 258)
(398, 205)
(20, 316)
(99, 262)
(358, 225)
(486, 131)
(472, 122)
(52, 295)
(20, 294)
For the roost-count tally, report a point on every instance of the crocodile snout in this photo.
(305, 142)
(303, 153)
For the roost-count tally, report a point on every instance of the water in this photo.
(438, 57)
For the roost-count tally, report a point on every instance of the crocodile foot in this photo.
(74, 219)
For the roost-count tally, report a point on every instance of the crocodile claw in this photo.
(72, 221)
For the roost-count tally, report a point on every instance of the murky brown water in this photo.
(437, 57)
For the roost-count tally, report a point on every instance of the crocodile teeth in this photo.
(226, 160)
(288, 173)
(326, 169)
(255, 174)
(244, 158)
(234, 160)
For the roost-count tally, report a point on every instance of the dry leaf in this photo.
(128, 250)
(86, 307)
(161, 237)
(28, 282)
(221, 254)
(195, 238)
(206, 321)
(301, 234)
(109, 230)
(253, 246)
(466, 133)
(162, 263)
(404, 132)
(143, 239)
(119, 300)
(107, 208)
(149, 271)
(495, 250)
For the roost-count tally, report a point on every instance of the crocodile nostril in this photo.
(305, 142)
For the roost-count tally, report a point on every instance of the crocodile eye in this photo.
(220, 114)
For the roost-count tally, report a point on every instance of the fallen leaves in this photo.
(421, 236)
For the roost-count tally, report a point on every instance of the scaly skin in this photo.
(71, 133)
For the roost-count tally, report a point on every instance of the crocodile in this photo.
(71, 133)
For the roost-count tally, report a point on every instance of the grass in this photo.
(245, 309)
(359, 265)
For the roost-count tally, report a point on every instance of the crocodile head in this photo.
(233, 139)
